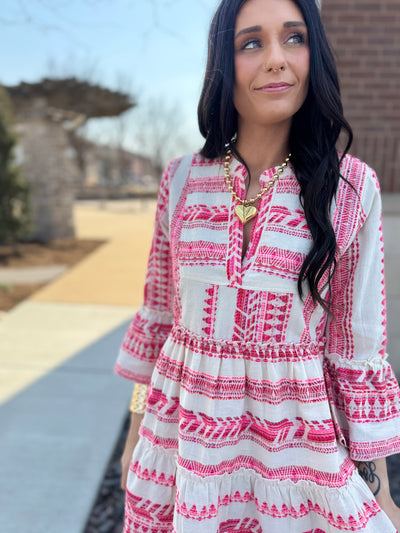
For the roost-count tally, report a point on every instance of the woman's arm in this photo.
(362, 388)
(152, 323)
(374, 473)
(130, 443)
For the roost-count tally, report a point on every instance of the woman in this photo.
(271, 406)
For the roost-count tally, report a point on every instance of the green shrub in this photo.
(15, 220)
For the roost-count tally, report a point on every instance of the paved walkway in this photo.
(38, 274)
(62, 406)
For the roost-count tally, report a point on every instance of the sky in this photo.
(151, 48)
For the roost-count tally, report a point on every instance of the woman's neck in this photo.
(262, 147)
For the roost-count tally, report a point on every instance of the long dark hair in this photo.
(313, 137)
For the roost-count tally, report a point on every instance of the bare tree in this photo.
(157, 131)
(122, 122)
(57, 17)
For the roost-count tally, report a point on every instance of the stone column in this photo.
(48, 165)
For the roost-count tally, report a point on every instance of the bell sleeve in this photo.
(362, 388)
(151, 325)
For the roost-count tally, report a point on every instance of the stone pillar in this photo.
(48, 165)
(365, 35)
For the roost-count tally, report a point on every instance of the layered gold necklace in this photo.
(246, 210)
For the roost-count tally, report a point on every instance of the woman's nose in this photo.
(274, 58)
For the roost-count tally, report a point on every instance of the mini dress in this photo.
(259, 401)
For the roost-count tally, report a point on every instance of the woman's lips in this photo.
(274, 87)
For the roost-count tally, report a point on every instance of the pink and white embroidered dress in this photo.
(259, 402)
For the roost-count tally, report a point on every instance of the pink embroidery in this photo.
(159, 403)
(210, 308)
(262, 351)
(369, 510)
(271, 436)
(234, 251)
(202, 253)
(261, 316)
(154, 477)
(291, 472)
(247, 525)
(278, 308)
(157, 440)
(142, 514)
(284, 263)
(364, 395)
(238, 388)
(214, 217)
(145, 338)
(284, 220)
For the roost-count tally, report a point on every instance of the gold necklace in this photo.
(246, 211)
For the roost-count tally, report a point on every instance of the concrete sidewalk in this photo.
(58, 431)
(37, 274)
(62, 406)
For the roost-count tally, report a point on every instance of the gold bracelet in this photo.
(139, 398)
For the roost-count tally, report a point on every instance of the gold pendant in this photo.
(245, 212)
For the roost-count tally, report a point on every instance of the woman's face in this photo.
(272, 62)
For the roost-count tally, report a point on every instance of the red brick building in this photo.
(365, 35)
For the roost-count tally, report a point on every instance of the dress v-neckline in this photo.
(237, 262)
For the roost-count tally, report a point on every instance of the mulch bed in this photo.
(30, 254)
(11, 295)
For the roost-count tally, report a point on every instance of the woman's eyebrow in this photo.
(252, 29)
(293, 23)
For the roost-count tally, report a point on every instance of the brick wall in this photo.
(365, 35)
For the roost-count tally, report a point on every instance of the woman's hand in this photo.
(131, 441)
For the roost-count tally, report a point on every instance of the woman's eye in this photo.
(251, 45)
(296, 38)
